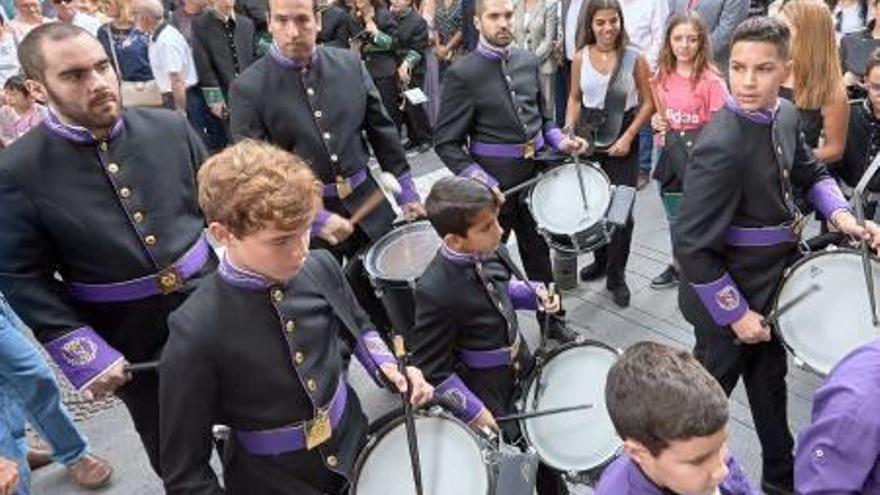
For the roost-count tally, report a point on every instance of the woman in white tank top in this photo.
(606, 61)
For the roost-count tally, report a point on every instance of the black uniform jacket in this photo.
(99, 213)
(862, 146)
(455, 312)
(412, 36)
(337, 27)
(489, 99)
(738, 189)
(322, 113)
(216, 62)
(381, 63)
(257, 356)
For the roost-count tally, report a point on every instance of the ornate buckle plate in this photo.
(343, 187)
(169, 280)
(318, 430)
(529, 149)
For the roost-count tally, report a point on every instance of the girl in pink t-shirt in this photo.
(687, 92)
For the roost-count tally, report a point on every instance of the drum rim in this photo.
(589, 164)
(373, 441)
(786, 276)
(579, 342)
(394, 233)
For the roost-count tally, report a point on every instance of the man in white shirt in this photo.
(572, 17)
(67, 12)
(170, 56)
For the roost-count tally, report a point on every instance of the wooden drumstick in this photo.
(387, 182)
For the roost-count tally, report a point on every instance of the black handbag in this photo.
(673, 159)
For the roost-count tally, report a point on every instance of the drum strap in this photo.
(510, 319)
(342, 311)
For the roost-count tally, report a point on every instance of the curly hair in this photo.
(253, 185)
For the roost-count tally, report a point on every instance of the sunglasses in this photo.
(59, 2)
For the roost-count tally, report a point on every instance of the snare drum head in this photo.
(404, 253)
(450, 455)
(556, 202)
(580, 440)
(834, 320)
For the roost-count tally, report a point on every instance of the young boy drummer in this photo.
(738, 230)
(672, 416)
(466, 337)
(258, 346)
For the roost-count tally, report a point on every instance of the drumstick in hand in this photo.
(387, 182)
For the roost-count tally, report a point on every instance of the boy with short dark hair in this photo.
(259, 346)
(466, 336)
(738, 230)
(672, 416)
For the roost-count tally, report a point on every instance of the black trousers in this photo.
(387, 87)
(763, 368)
(533, 250)
(141, 397)
(623, 171)
(415, 117)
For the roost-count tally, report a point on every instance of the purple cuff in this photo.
(408, 192)
(722, 300)
(475, 171)
(459, 399)
(554, 137)
(523, 295)
(827, 198)
(372, 353)
(83, 356)
(319, 222)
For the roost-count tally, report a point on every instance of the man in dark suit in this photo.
(572, 34)
(223, 47)
(320, 103)
(410, 43)
(337, 25)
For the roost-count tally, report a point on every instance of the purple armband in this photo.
(523, 295)
(455, 396)
(475, 171)
(319, 222)
(408, 192)
(554, 137)
(827, 198)
(722, 300)
(83, 356)
(372, 353)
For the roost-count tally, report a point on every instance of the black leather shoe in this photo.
(619, 293)
(593, 271)
(667, 279)
(774, 489)
(559, 331)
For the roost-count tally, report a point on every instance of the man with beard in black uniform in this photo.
(102, 234)
(492, 123)
(318, 102)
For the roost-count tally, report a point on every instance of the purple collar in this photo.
(460, 258)
(289, 63)
(77, 134)
(762, 116)
(239, 277)
(492, 53)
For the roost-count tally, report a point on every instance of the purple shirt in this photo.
(624, 477)
(839, 453)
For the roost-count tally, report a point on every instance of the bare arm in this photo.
(835, 120)
(646, 98)
(575, 95)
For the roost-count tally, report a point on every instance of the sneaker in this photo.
(559, 331)
(619, 293)
(642, 181)
(593, 271)
(91, 472)
(667, 279)
(774, 489)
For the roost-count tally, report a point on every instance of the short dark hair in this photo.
(764, 29)
(16, 83)
(656, 394)
(454, 202)
(873, 61)
(30, 50)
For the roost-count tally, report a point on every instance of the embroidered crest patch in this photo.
(79, 351)
(727, 298)
(376, 347)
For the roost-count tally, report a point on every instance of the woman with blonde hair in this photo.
(126, 46)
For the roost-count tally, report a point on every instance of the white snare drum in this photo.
(558, 208)
(834, 320)
(452, 458)
(578, 442)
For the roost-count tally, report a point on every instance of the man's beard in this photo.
(84, 116)
(500, 43)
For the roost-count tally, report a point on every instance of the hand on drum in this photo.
(106, 384)
(485, 420)
(573, 145)
(750, 328)
(336, 230)
(422, 390)
(547, 303)
(845, 222)
(413, 211)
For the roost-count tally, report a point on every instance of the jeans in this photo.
(646, 149)
(28, 391)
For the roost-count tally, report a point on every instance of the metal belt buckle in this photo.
(169, 280)
(529, 149)
(343, 187)
(318, 430)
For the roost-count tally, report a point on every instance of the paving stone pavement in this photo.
(653, 315)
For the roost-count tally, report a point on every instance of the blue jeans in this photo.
(646, 149)
(28, 390)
